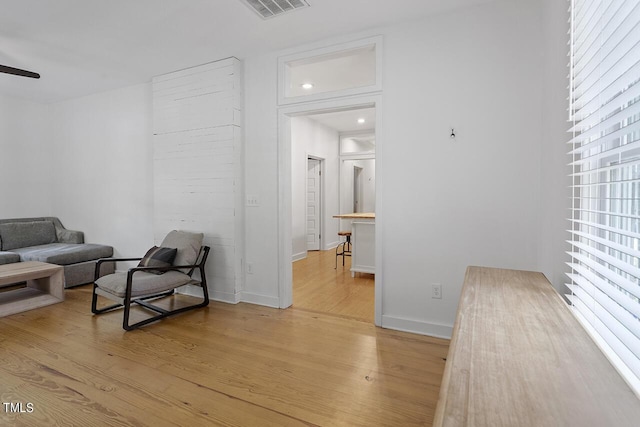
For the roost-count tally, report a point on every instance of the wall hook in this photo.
(453, 134)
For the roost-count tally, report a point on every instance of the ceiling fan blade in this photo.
(18, 72)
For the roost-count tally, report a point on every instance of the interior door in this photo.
(313, 205)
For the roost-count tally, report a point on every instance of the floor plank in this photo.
(319, 286)
(232, 365)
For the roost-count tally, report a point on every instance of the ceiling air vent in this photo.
(270, 8)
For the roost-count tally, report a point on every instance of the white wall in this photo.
(555, 181)
(442, 204)
(261, 179)
(474, 200)
(310, 138)
(368, 177)
(26, 147)
(102, 180)
(360, 144)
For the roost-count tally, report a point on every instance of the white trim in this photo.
(363, 132)
(285, 279)
(417, 327)
(332, 245)
(226, 297)
(196, 291)
(285, 273)
(307, 53)
(379, 215)
(265, 300)
(299, 256)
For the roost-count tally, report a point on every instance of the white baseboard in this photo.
(268, 301)
(331, 245)
(214, 295)
(299, 256)
(417, 327)
(194, 291)
(227, 297)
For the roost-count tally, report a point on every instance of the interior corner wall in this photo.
(261, 179)
(26, 148)
(101, 167)
(555, 181)
(310, 138)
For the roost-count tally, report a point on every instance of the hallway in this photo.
(318, 286)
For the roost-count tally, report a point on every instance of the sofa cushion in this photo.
(9, 258)
(23, 234)
(64, 253)
(143, 283)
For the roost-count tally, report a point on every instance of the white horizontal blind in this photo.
(605, 234)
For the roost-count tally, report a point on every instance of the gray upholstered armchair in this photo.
(159, 272)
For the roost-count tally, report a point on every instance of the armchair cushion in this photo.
(143, 283)
(158, 257)
(188, 245)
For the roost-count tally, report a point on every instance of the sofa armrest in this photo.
(69, 236)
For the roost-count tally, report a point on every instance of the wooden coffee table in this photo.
(44, 286)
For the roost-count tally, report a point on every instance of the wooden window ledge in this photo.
(518, 357)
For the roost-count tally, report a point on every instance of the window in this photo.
(605, 148)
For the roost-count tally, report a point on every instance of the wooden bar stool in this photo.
(345, 246)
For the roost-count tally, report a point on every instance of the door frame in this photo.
(285, 274)
(321, 212)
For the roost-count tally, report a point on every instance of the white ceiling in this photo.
(86, 46)
(347, 120)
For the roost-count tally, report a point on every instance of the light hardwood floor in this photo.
(236, 365)
(319, 286)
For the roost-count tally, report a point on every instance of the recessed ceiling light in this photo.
(361, 120)
(307, 86)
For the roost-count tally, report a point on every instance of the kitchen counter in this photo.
(363, 253)
(358, 215)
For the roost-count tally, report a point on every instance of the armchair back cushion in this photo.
(188, 245)
(24, 234)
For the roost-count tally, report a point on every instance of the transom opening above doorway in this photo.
(345, 69)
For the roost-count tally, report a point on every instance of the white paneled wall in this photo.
(197, 165)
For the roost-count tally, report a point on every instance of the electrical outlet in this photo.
(436, 291)
(252, 200)
(249, 268)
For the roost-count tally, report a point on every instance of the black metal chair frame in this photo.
(346, 250)
(127, 300)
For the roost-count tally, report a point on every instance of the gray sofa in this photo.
(45, 239)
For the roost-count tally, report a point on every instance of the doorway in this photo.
(327, 150)
(285, 182)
